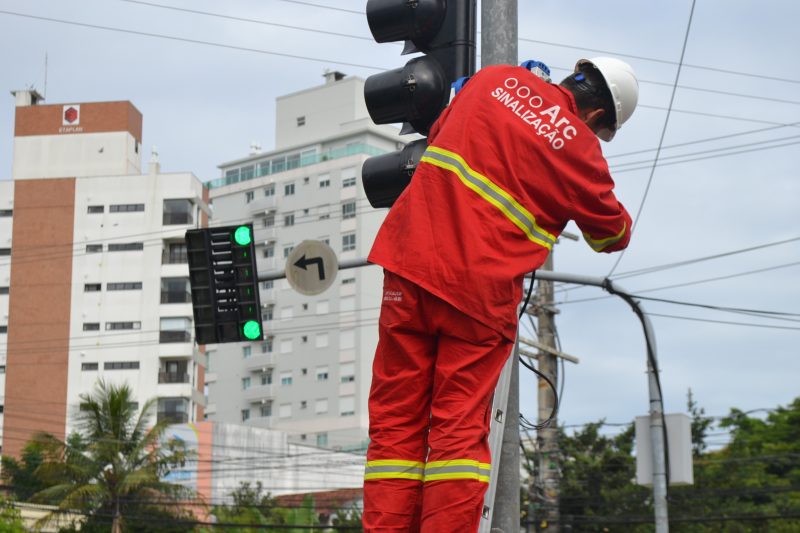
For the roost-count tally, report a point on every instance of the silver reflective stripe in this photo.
(490, 192)
(459, 469)
(394, 469)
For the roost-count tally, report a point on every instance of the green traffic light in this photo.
(242, 236)
(251, 329)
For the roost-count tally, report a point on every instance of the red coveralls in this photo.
(509, 163)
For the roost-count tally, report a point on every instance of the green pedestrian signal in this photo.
(252, 330)
(243, 236)
(224, 280)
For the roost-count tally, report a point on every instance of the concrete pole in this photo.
(549, 465)
(499, 34)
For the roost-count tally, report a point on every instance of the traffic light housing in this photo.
(222, 272)
(415, 94)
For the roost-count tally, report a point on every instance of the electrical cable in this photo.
(524, 422)
(661, 139)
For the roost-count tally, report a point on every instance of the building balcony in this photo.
(174, 336)
(174, 377)
(259, 394)
(176, 297)
(257, 362)
(176, 219)
(173, 417)
(263, 204)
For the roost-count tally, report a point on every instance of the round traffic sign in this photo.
(311, 267)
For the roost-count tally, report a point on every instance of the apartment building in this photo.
(93, 271)
(310, 377)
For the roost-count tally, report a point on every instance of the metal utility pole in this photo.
(499, 33)
(549, 465)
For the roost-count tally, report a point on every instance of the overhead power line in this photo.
(187, 40)
(638, 215)
(726, 322)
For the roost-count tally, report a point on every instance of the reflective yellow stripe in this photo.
(457, 469)
(394, 469)
(491, 192)
(598, 245)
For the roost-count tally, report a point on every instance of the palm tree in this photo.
(112, 467)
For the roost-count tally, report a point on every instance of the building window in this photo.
(124, 286)
(245, 415)
(249, 196)
(178, 211)
(175, 254)
(287, 250)
(286, 377)
(268, 313)
(113, 326)
(269, 251)
(4, 329)
(348, 281)
(322, 373)
(269, 220)
(125, 246)
(288, 220)
(175, 291)
(324, 181)
(348, 242)
(126, 208)
(91, 287)
(347, 405)
(322, 439)
(247, 351)
(292, 161)
(5, 252)
(6, 212)
(94, 248)
(303, 404)
(348, 182)
(265, 410)
(321, 406)
(3, 290)
(347, 372)
(88, 367)
(121, 365)
(2, 369)
(247, 173)
(245, 383)
(349, 210)
(288, 189)
(266, 378)
(266, 346)
(301, 121)
(91, 326)
(269, 190)
(269, 284)
(175, 329)
(94, 209)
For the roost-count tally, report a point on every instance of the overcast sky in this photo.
(205, 104)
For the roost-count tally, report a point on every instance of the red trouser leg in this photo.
(399, 410)
(435, 371)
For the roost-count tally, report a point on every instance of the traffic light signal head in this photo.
(224, 280)
(415, 94)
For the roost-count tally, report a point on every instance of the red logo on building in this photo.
(72, 115)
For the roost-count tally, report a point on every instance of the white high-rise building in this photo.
(311, 375)
(93, 271)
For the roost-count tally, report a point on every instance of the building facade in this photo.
(311, 376)
(93, 271)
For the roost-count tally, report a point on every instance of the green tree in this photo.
(10, 519)
(251, 506)
(20, 473)
(112, 468)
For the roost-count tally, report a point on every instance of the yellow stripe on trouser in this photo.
(457, 469)
(491, 192)
(394, 469)
(598, 245)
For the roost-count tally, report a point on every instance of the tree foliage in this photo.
(751, 485)
(112, 468)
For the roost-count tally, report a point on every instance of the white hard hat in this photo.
(621, 80)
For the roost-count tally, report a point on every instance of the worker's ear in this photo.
(592, 118)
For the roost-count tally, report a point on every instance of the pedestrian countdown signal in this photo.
(224, 280)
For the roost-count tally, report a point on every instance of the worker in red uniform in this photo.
(509, 162)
